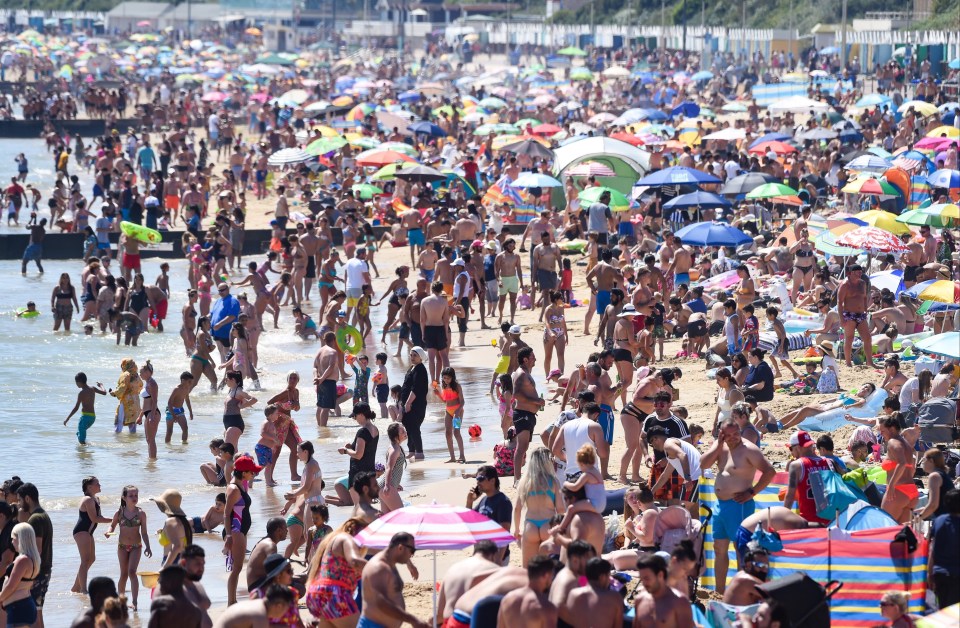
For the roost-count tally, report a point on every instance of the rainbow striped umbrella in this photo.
(435, 527)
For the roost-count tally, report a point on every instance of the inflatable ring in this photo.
(141, 233)
(23, 313)
(349, 339)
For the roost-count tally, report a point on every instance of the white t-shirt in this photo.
(355, 270)
(693, 459)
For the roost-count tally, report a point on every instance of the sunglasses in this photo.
(412, 549)
(482, 478)
(882, 604)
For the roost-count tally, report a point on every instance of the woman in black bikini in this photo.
(804, 265)
(200, 362)
(63, 301)
(236, 401)
(83, 532)
(149, 413)
(137, 301)
(133, 537)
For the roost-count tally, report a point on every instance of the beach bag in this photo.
(937, 420)
(831, 494)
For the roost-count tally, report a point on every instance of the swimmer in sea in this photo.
(86, 399)
(200, 362)
(179, 397)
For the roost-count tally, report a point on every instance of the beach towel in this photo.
(795, 342)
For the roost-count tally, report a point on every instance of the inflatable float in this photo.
(141, 233)
(832, 420)
(349, 339)
(23, 313)
(573, 246)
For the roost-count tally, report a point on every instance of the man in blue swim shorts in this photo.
(739, 462)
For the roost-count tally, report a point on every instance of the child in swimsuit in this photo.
(452, 396)
(590, 480)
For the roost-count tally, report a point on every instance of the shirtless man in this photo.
(601, 279)
(193, 560)
(929, 244)
(325, 371)
(594, 605)
(382, 587)
(310, 243)
(131, 256)
(427, 264)
(738, 462)
(435, 327)
(509, 276)
(500, 582)
(157, 299)
(467, 228)
(528, 403)
(568, 578)
(609, 318)
(276, 532)
(680, 264)
(754, 568)
(852, 299)
(171, 607)
(656, 604)
(445, 271)
(913, 261)
(465, 575)
(586, 525)
(605, 393)
(546, 261)
(252, 613)
(530, 606)
(889, 314)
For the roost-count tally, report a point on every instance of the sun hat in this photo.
(169, 503)
(273, 566)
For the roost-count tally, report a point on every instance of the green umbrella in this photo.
(366, 191)
(581, 74)
(388, 172)
(572, 51)
(618, 202)
(523, 122)
(326, 145)
(401, 147)
(365, 143)
(921, 217)
(501, 128)
(769, 190)
(827, 243)
(734, 107)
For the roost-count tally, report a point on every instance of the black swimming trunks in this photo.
(523, 420)
(435, 337)
(622, 355)
(327, 394)
(697, 329)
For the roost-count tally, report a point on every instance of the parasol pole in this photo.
(434, 588)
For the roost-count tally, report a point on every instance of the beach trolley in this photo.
(803, 597)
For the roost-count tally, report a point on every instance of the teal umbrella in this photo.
(326, 145)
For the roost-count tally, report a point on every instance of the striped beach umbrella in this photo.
(872, 240)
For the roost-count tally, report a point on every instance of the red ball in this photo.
(474, 431)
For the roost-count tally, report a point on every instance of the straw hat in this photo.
(169, 503)
(827, 347)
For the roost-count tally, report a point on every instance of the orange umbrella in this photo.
(898, 178)
(628, 138)
(382, 158)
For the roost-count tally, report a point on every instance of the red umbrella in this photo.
(872, 240)
(546, 129)
(383, 158)
(780, 148)
(628, 138)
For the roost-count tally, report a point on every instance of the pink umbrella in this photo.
(591, 169)
(215, 97)
(872, 240)
(435, 527)
(260, 97)
(935, 143)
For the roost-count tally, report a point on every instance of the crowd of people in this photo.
(471, 253)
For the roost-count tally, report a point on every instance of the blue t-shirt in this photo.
(224, 307)
(697, 305)
(945, 533)
(146, 157)
(488, 264)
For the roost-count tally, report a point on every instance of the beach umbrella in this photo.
(868, 163)
(633, 140)
(581, 74)
(940, 290)
(389, 172)
(434, 527)
(883, 220)
(496, 129)
(492, 102)
(775, 136)
(686, 109)
(618, 201)
(530, 148)
(572, 51)
(215, 97)
(427, 128)
(870, 186)
(365, 191)
(522, 123)
(254, 31)
(287, 156)
(728, 134)
(945, 178)
(889, 279)
(798, 104)
(616, 71)
(298, 96)
(872, 240)
(546, 129)
(590, 169)
(913, 161)
(535, 180)
(377, 157)
(945, 131)
(326, 145)
(734, 107)
(920, 217)
(601, 118)
(744, 183)
(780, 148)
(925, 109)
(826, 242)
(400, 147)
(818, 133)
(697, 199)
(702, 75)
(873, 100)
(677, 175)
(947, 345)
(420, 174)
(712, 234)
(363, 141)
(771, 190)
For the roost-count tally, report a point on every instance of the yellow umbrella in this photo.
(342, 101)
(925, 109)
(949, 131)
(883, 220)
(942, 291)
(690, 138)
(253, 30)
(692, 124)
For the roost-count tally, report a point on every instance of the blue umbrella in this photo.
(914, 291)
(702, 75)
(676, 176)
(656, 115)
(687, 110)
(829, 50)
(697, 199)
(945, 178)
(427, 128)
(535, 180)
(873, 100)
(409, 96)
(947, 344)
(712, 234)
(954, 65)
(771, 137)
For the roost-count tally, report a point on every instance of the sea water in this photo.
(37, 369)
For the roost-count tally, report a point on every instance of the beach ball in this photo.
(341, 389)
(349, 358)
(378, 377)
(474, 431)
(493, 342)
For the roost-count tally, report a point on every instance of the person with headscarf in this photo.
(127, 393)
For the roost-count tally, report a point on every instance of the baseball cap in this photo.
(459, 262)
(514, 329)
(800, 439)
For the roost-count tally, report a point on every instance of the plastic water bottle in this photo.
(457, 422)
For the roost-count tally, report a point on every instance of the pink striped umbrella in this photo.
(872, 240)
(591, 169)
(435, 527)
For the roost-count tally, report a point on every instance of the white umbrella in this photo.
(616, 71)
(287, 156)
(728, 134)
(868, 163)
(798, 104)
(602, 118)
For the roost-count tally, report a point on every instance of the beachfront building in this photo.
(131, 16)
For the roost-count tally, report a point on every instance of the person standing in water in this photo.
(133, 539)
(83, 531)
(127, 393)
(149, 411)
(86, 399)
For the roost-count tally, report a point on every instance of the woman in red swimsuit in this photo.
(902, 494)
